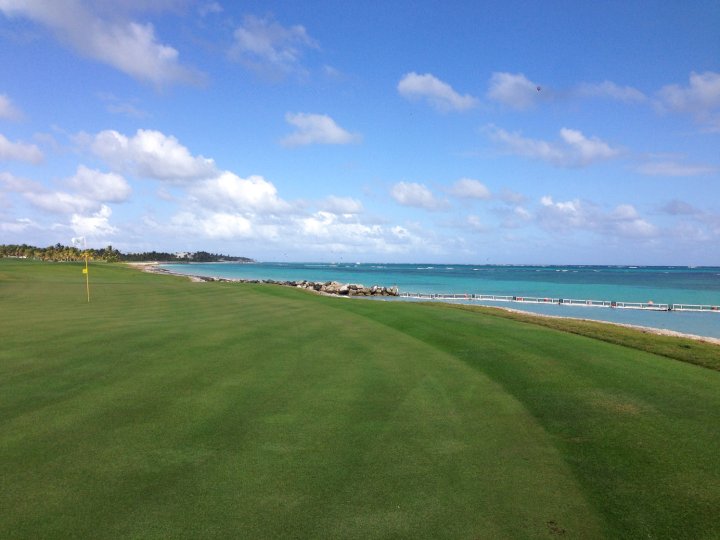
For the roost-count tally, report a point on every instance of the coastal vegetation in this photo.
(59, 252)
(168, 408)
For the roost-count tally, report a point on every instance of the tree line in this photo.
(59, 252)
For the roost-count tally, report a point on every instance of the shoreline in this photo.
(152, 267)
(643, 329)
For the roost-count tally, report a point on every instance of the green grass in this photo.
(167, 409)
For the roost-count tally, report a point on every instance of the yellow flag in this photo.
(85, 270)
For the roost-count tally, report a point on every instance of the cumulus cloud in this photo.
(564, 215)
(216, 225)
(150, 154)
(513, 90)
(91, 187)
(323, 231)
(95, 226)
(610, 90)
(99, 186)
(232, 194)
(126, 45)
(468, 188)
(573, 150)
(266, 46)
(437, 93)
(19, 151)
(323, 224)
(8, 111)
(701, 95)
(569, 216)
(673, 168)
(415, 195)
(60, 202)
(700, 98)
(316, 129)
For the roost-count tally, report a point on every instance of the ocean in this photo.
(656, 284)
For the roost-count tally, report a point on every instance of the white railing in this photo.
(695, 307)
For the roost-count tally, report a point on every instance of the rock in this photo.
(328, 287)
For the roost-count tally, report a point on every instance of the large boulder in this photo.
(333, 287)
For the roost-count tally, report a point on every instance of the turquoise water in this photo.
(661, 284)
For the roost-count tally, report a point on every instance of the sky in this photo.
(498, 132)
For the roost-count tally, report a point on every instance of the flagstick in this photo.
(87, 277)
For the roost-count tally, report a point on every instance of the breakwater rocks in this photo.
(327, 287)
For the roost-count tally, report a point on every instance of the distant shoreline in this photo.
(153, 268)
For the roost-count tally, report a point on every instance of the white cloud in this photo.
(8, 111)
(150, 154)
(470, 189)
(436, 92)
(126, 45)
(672, 168)
(217, 225)
(92, 188)
(415, 195)
(563, 215)
(230, 193)
(12, 183)
(17, 226)
(701, 95)
(341, 205)
(316, 129)
(268, 47)
(608, 89)
(586, 150)
(701, 98)
(326, 231)
(96, 225)
(513, 90)
(476, 224)
(99, 186)
(324, 224)
(570, 216)
(19, 151)
(60, 202)
(574, 150)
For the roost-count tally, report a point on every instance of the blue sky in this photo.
(479, 132)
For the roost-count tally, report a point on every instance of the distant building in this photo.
(183, 255)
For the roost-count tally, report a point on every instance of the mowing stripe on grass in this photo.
(167, 408)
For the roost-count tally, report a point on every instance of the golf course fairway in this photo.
(165, 408)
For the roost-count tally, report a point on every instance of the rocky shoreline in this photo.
(333, 288)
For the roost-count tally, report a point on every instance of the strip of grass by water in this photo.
(688, 350)
(166, 408)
